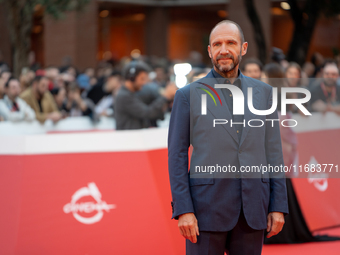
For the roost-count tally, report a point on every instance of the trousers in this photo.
(241, 240)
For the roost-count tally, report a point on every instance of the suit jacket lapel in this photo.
(246, 83)
(218, 111)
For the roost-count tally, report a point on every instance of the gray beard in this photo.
(232, 66)
(329, 84)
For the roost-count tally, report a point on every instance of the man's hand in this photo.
(54, 116)
(169, 91)
(275, 221)
(187, 224)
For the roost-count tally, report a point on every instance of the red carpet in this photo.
(315, 248)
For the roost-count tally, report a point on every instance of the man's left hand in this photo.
(275, 221)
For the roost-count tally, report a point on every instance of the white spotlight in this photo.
(182, 69)
(285, 6)
(181, 81)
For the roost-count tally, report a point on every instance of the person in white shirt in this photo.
(13, 108)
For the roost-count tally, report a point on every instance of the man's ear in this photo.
(244, 48)
(209, 52)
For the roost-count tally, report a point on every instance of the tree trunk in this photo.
(258, 32)
(303, 29)
(20, 15)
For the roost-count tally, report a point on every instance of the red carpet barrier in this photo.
(319, 197)
(88, 203)
(108, 192)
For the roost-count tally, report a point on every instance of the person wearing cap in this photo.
(130, 111)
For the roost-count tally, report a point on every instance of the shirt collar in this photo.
(220, 78)
(126, 89)
(7, 100)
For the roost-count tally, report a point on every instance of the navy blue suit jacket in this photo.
(217, 202)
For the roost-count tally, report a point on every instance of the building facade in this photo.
(163, 28)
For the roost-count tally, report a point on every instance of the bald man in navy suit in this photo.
(219, 212)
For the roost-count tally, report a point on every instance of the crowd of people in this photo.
(321, 77)
(133, 93)
(138, 93)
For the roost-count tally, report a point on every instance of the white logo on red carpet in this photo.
(318, 179)
(88, 207)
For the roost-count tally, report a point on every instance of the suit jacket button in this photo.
(239, 151)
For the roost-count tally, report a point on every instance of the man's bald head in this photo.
(331, 67)
(226, 22)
